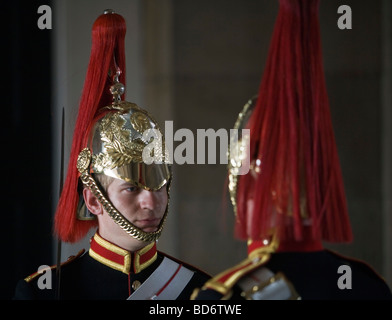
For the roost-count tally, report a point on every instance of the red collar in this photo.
(120, 259)
(260, 247)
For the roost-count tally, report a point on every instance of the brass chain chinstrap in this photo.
(117, 217)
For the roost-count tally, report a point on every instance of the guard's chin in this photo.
(150, 229)
(148, 225)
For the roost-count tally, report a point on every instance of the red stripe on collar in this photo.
(120, 259)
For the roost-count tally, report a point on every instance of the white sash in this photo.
(160, 278)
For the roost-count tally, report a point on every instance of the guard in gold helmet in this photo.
(118, 181)
(293, 197)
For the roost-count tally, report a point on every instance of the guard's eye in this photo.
(132, 189)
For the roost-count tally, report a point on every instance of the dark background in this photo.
(26, 232)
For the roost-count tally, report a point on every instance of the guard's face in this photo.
(145, 209)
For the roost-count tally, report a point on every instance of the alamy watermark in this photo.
(345, 280)
(45, 280)
(233, 146)
(45, 19)
(345, 20)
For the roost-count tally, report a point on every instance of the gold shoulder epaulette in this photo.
(69, 260)
(224, 281)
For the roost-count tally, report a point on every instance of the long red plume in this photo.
(107, 53)
(300, 191)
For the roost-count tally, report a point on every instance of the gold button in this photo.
(136, 284)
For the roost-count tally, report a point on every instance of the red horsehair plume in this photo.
(300, 191)
(107, 54)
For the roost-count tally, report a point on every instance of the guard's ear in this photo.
(92, 202)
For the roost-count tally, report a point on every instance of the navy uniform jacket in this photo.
(308, 276)
(108, 272)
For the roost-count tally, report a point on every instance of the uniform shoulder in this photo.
(224, 284)
(359, 264)
(366, 277)
(40, 271)
(30, 288)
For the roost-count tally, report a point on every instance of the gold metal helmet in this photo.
(126, 144)
(239, 151)
(112, 138)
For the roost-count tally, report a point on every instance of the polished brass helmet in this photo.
(239, 150)
(127, 144)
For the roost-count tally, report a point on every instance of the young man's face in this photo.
(144, 209)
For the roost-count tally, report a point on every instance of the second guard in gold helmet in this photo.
(292, 199)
